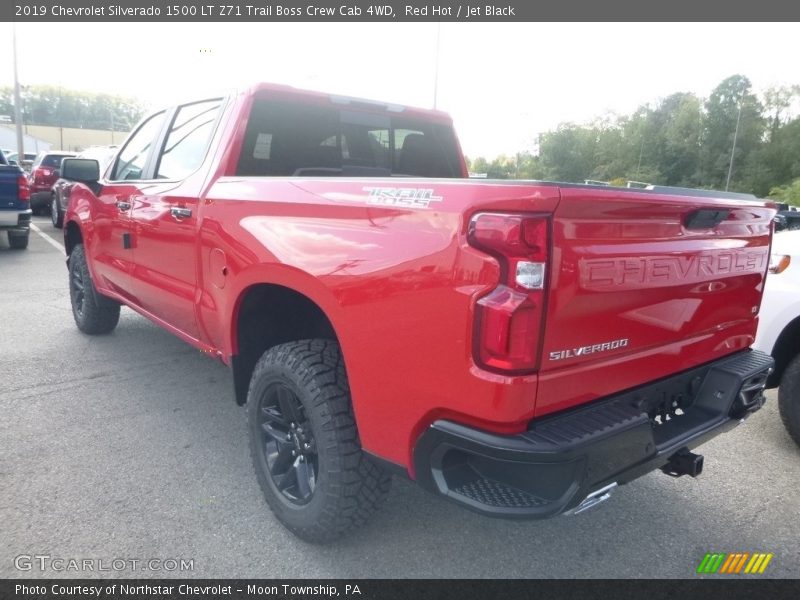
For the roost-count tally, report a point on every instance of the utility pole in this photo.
(60, 117)
(735, 135)
(17, 101)
(641, 152)
(436, 72)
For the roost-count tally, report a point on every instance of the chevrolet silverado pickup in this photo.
(15, 210)
(520, 348)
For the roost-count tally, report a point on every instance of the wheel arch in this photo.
(72, 236)
(268, 314)
(787, 346)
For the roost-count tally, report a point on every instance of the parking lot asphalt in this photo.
(130, 446)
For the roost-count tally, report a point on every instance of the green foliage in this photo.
(681, 140)
(61, 107)
(787, 193)
(731, 110)
(568, 154)
(523, 165)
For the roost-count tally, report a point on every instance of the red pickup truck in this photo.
(520, 348)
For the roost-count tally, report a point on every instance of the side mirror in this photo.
(85, 170)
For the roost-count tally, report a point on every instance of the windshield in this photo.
(285, 139)
(54, 160)
(102, 155)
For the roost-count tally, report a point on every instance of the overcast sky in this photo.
(502, 83)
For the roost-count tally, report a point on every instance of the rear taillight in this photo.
(509, 318)
(38, 175)
(23, 191)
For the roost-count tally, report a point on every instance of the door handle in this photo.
(123, 206)
(180, 213)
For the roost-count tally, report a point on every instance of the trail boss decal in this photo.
(583, 350)
(410, 197)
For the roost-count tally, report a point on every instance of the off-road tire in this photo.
(348, 485)
(94, 313)
(789, 398)
(18, 242)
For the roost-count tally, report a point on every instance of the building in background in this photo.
(8, 139)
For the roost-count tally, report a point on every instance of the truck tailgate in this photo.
(645, 285)
(9, 192)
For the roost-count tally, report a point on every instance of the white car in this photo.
(779, 326)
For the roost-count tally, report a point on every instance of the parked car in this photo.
(59, 195)
(44, 173)
(25, 163)
(779, 326)
(520, 348)
(15, 212)
(788, 217)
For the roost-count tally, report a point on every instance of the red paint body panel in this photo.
(626, 267)
(400, 284)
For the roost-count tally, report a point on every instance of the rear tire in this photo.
(94, 313)
(56, 215)
(304, 442)
(789, 398)
(18, 242)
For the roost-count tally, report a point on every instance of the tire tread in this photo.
(789, 399)
(356, 486)
(100, 314)
(18, 242)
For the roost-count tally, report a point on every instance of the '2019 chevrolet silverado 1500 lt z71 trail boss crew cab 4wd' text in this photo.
(520, 348)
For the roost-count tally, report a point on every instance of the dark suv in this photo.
(44, 173)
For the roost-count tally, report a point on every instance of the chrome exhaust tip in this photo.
(593, 499)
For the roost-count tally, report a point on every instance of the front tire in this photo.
(94, 313)
(304, 442)
(789, 398)
(56, 216)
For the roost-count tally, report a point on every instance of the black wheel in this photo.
(789, 398)
(55, 212)
(304, 443)
(94, 313)
(17, 241)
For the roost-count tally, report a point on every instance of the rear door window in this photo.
(54, 160)
(298, 139)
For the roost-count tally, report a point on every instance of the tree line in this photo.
(61, 107)
(681, 140)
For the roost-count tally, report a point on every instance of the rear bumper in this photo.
(15, 220)
(563, 459)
